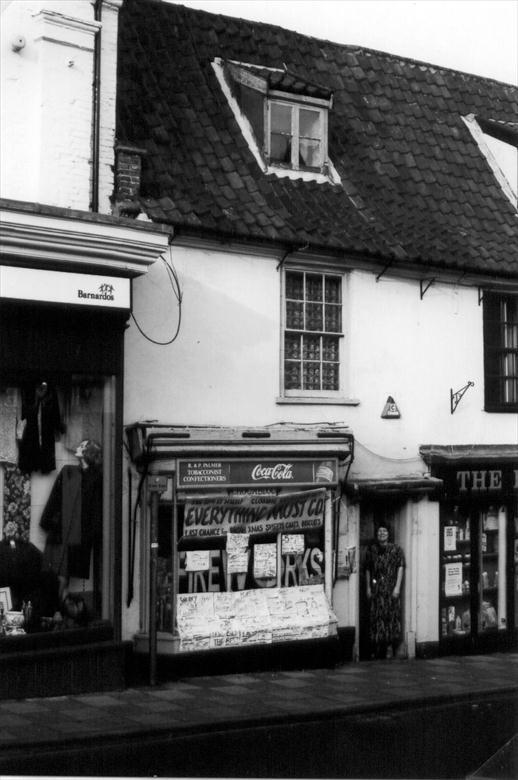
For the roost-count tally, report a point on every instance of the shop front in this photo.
(240, 534)
(478, 598)
(61, 376)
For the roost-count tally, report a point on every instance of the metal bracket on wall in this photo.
(456, 397)
(384, 271)
(424, 286)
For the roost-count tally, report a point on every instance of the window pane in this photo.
(280, 148)
(280, 132)
(309, 124)
(312, 376)
(333, 289)
(295, 286)
(313, 287)
(330, 348)
(294, 315)
(314, 318)
(311, 347)
(330, 376)
(280, 118)
(309, 153)
(292, 375)
(292, 346)
(333, 319)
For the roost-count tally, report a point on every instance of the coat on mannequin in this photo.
(73, 517)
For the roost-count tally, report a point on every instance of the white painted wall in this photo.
(224, 369)
(224, 366)
(46, 94)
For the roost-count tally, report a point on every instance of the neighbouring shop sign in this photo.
(36, 284)
(253, 513)
(257, 473)
(473, 480)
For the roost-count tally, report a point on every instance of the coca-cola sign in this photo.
(226, 473)
(279, 471)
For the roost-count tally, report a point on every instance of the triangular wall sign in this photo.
(390, 410)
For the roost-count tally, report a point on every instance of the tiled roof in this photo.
(415, 187)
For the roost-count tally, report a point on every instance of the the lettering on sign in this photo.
(483, 480)
(297, 570)
(210, 517)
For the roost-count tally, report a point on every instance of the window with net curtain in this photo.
(296, 136)
(501, 352)
(313, 329)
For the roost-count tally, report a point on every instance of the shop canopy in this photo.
(374, 475)
(160, 447)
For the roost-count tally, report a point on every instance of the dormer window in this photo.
(283, 117)
(297, 135)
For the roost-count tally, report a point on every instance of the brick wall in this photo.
(47, 101)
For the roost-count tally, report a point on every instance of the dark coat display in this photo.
(40, 410)
(73, 520)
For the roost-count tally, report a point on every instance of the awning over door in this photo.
(374, 475)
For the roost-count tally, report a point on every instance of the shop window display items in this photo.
(51, 523)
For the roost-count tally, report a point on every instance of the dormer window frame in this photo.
(325, 174)
(297, 104)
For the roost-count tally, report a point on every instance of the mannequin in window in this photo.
(41, 418)
(73, 519)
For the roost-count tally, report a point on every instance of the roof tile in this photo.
(414, 183)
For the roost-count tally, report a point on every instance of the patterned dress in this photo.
(385, 612)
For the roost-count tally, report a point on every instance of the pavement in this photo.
(197, 705)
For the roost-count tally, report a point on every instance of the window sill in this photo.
(324, 400)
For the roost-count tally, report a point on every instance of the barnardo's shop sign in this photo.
(227, 473)
(253, 513)
(37, 284)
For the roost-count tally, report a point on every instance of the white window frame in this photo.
(297, 394)
(296, 106)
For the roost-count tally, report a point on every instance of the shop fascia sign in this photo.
(487, 480)
(255, 473)
(37, 284)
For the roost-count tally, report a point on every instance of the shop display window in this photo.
(56, 457)
(229, 588)
(473, 571)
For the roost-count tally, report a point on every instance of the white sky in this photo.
(476, 36)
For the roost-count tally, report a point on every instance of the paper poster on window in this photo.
(197, 560)
(237, 553)
(254, 514)
(346, 562)
(450, 538)
(265, 560)
(292, 543)
(453, 579)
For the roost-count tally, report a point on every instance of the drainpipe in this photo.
(96, 113)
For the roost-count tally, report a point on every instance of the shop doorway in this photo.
(373, 513)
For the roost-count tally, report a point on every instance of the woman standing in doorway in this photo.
(384, 576)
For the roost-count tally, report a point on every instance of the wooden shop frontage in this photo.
(238, 546)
